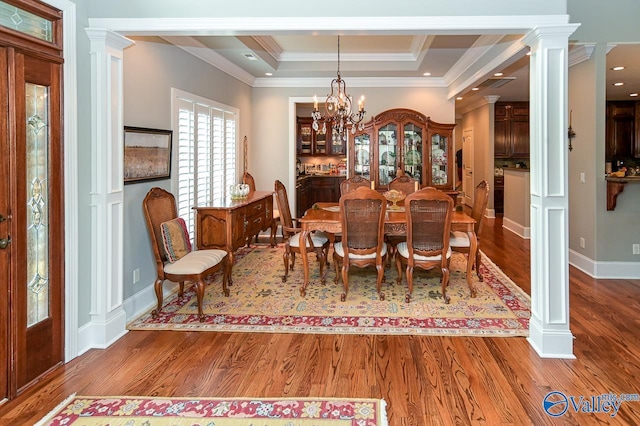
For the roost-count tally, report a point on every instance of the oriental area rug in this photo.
(261, 302)
(157, 411)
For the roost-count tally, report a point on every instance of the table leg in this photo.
(304, 261)
(473, 249)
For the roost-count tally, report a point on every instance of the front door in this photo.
(31, 211)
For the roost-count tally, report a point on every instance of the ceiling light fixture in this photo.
(617, 68)
(498, 74)
(338, 110)
(475, 88)
(250, 56)
(618, 84)
(427, 74)
(268, 74)
(633, 94)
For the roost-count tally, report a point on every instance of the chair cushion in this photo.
(195, 262)
(319, 239)
(458, 239)
(337, 247)
(175, 239)
(403, 250)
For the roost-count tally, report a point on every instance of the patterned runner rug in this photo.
(261, 302)
(157, 411)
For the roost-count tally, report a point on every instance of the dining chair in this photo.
(249, 180)
(363, 214)
(404, 183)
(407, 185)
(317, 242)
(175, 259)
(428, 213)
(459, 241)
(352, 183)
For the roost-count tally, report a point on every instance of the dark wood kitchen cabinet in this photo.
(316, 189)
(622, 130)
(317, 143)
(511, 130)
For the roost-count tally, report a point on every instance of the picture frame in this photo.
(147, 154)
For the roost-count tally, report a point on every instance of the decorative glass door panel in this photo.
(439, 160)
(305, 139)
(337, 144)
(37, 142)
(387, 153)
(362, 156)
(412, 148)
(321, 140)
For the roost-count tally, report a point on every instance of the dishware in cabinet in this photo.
(440, 145)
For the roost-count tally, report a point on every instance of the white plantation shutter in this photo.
(206, 153)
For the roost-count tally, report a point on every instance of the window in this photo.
(204, 152)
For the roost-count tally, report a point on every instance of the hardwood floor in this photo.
(425, 380)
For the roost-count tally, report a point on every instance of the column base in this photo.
(550, 343)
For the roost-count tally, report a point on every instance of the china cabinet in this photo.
(403, 141)
(321, 142)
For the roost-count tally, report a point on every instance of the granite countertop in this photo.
(320, 175)
(516, 169)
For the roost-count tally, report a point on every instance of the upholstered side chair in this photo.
(352, 183)
(175, 261)
(317, 242)
(428, 213)
(460, 240)
(363, 214)
(407, 185)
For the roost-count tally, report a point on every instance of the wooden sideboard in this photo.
(230, 224)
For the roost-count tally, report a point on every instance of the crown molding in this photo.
(581, 53)
(353, 82)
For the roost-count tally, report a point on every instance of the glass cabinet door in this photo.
(387, 153)
(362, 156)
(412, 149)
(439, 161)
(321, 141)
(304, 138)
(337, 144)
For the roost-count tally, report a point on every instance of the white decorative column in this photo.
(549, 332)
(108, 318)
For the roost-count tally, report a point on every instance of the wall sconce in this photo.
(571, 134)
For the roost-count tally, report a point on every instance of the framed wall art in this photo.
(147, 154)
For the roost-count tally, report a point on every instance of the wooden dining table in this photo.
(326, 217)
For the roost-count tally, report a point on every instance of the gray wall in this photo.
(609, 235)
(151, 68)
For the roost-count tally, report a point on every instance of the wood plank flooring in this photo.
(425, 380)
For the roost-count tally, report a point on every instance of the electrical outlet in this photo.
(136, 275)
(582, 242)
(636, 249)
(582, 178)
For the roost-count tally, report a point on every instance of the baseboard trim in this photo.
(145, 300)
(604, 270)
(101, 334)
(490, 213)
(516, 228)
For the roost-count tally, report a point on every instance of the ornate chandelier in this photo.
(338, 109)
